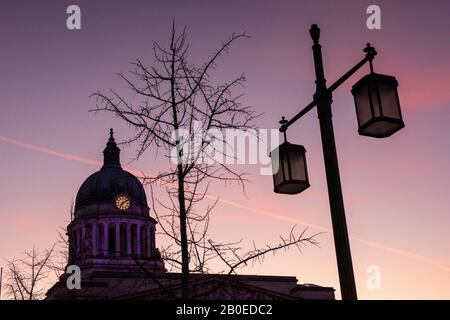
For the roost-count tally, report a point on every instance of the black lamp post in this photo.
(378, 113)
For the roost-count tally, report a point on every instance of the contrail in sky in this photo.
(49, 151)
(433, 262)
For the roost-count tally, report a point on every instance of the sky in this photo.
(396, 190)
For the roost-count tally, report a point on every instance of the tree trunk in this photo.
(183, 236)
(181, 199)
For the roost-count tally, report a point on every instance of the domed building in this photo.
(112, 241)
(112, 228)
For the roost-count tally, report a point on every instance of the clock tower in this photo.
(112, 229)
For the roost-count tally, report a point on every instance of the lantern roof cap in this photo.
(287, 144)
(373, 76)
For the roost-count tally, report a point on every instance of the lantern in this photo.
(290, 175)
(377, 105)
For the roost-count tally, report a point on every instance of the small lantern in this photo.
(290, 175)
(377, 105)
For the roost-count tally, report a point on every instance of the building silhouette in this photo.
(112, 240)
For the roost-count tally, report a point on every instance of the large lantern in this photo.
(377, 105)
(290, 175)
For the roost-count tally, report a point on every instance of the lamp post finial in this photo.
(315, 33)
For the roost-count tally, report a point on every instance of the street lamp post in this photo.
(341, 242)
(374, 94)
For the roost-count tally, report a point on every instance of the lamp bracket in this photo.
(370, 55)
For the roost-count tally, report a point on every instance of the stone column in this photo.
(149, 241)
(128, 238)
(152, 239)
(105, 238)
(80, 239)
(117, 225)
(138, 239)
(94, 238)
(75, 242)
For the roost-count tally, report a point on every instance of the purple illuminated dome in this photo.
(111, 180)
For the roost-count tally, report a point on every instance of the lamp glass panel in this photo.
(374, 99)
(363, 109)
(297, 158)
(285, 159)
(389, 101)
(276, 167)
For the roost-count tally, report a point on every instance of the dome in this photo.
(106, 184)
(110, 181)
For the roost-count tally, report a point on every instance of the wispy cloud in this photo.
(433, 262)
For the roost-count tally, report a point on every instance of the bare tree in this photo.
(174, 107)
(61, 258)
(26, 277)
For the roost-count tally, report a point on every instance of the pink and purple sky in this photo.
(396, 190)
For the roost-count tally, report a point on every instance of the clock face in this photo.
(122, 202)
